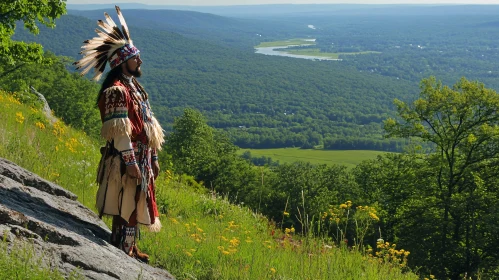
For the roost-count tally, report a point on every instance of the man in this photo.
(129, 163)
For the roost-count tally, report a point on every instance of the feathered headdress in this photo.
(112, 44)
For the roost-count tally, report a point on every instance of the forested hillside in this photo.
(415, 47)
(261, 101)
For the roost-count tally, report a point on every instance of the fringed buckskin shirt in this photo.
(127, 120)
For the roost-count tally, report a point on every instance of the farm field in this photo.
(349, 158)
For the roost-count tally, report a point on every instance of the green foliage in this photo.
(302, 189)
(305, 191)
(29, 12)
(438, 205)
(259, 161)
(195, 147)
(71, 97)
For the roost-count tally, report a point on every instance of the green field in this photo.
(318, 53)
(286, 155)
(285, 43)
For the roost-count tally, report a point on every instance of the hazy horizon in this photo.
(263, 2)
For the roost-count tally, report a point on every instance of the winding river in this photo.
(278, 51)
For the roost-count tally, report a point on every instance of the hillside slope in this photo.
(202, 236)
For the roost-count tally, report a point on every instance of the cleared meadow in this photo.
(349, 158)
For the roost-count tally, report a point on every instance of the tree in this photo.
(462, 125)
(29, 12)
(199, 150)
(192, 145)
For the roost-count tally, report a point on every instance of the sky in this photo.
(259, 2)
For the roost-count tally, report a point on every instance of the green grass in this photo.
(203, 236)
(285, 43)
(288, 155)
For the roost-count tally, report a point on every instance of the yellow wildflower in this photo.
(234, 242)
(19, 117)
(40, 125)
(272, 270)
(373, 216)
(285, 214)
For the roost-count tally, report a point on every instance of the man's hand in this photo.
(133, 171)
(155, 169)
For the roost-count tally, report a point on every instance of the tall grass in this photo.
(203, 235)
(55, 152)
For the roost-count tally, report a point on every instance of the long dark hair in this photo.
(111, 76)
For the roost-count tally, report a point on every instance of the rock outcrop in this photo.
(46, 108)
(69, 234)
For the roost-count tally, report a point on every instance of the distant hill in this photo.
(230, 31)
(271, 10)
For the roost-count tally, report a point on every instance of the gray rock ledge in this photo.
(69, 234)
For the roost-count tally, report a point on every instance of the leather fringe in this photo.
(116, 127)
(155, 134)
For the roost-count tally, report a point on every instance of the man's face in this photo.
(133, 66)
